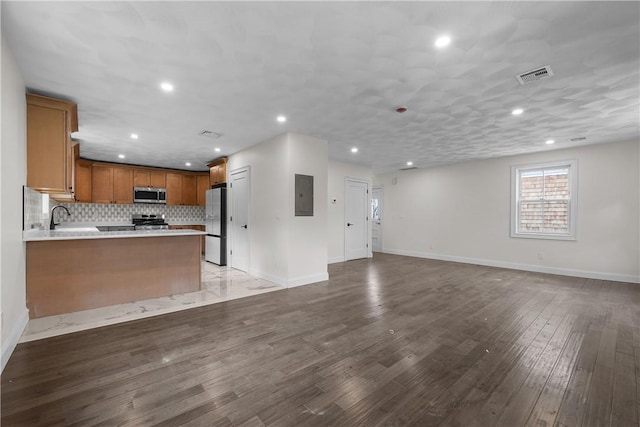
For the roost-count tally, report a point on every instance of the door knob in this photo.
(349, 224)
(244, 226)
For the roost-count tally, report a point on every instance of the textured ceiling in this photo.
(337, 70)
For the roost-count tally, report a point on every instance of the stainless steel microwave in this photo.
(149, 195)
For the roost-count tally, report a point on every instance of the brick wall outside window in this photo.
(544, 205)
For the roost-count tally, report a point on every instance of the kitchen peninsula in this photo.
(72, 270)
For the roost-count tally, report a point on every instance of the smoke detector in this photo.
(534, 75)
(210, 134)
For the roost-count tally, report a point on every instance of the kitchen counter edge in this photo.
(50, 235)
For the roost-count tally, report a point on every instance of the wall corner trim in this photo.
(10, 344)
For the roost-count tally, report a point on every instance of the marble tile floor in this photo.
(218, 284)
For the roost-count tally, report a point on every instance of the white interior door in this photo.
(240, 192)
(376, 218)
(356, 229)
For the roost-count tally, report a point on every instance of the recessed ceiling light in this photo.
(121, 156)
(409, 163)
(354, 150)
(281, 119)
(549, 141)
(166, 86)
(187, 164)
(442, 41)
(517, 111)
(217, 149)
(134, 136)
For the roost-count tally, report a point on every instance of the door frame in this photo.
(231, 213)
(348, 179)
(380, 232)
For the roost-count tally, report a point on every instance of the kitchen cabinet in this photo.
(189, 190)
(149, 178)
(218, 171)
(174, 188)
(202, 185)
(111, 184)
(83, 181)
(181, 189)
(50, 162)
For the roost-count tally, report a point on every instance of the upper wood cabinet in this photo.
(111, 184)
(202, 185)
(217, 171)
(189, 190)
(83, 181)
(149, 178)
(182, 189)
(50, 162)
(174, 188)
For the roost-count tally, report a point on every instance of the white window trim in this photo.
(573, 202)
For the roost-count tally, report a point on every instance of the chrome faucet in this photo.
(52, 225)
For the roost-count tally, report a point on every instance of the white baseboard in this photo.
(516, 266)
(292, 283)
(307, 280)
(14, 335)
(335, 259)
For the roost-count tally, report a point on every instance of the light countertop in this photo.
(87, 232)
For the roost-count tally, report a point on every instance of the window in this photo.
(544, 200)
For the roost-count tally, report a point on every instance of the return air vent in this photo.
(210, 134)
(534, 75)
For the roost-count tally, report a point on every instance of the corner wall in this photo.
(338, 171)
(462, 213)
(13, 159)
(285, 249)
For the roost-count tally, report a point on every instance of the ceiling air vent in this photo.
(408, 168)
(210, 134)
(580, 138)
(534, 75)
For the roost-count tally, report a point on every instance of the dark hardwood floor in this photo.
(391, 341)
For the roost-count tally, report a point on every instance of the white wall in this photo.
(462, 213)
(308, 234)
(13, 158)
(285, 249)
(338, 171)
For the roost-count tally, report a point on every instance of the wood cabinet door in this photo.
(174, 188)
(141, 178)
(83, 181)
(101, 184)
(123, 185)
(222, 172)
(189, 190)
(46, 149)
(202, 187)
(213, 175)
(158, 179)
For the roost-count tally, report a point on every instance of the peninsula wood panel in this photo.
(64, 276)
(388, 341)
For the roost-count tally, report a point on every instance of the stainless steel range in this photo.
(149, 222)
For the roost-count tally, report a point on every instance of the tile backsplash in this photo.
(35, 209)
(102, 212)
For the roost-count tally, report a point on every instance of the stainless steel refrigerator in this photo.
(216, 225)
